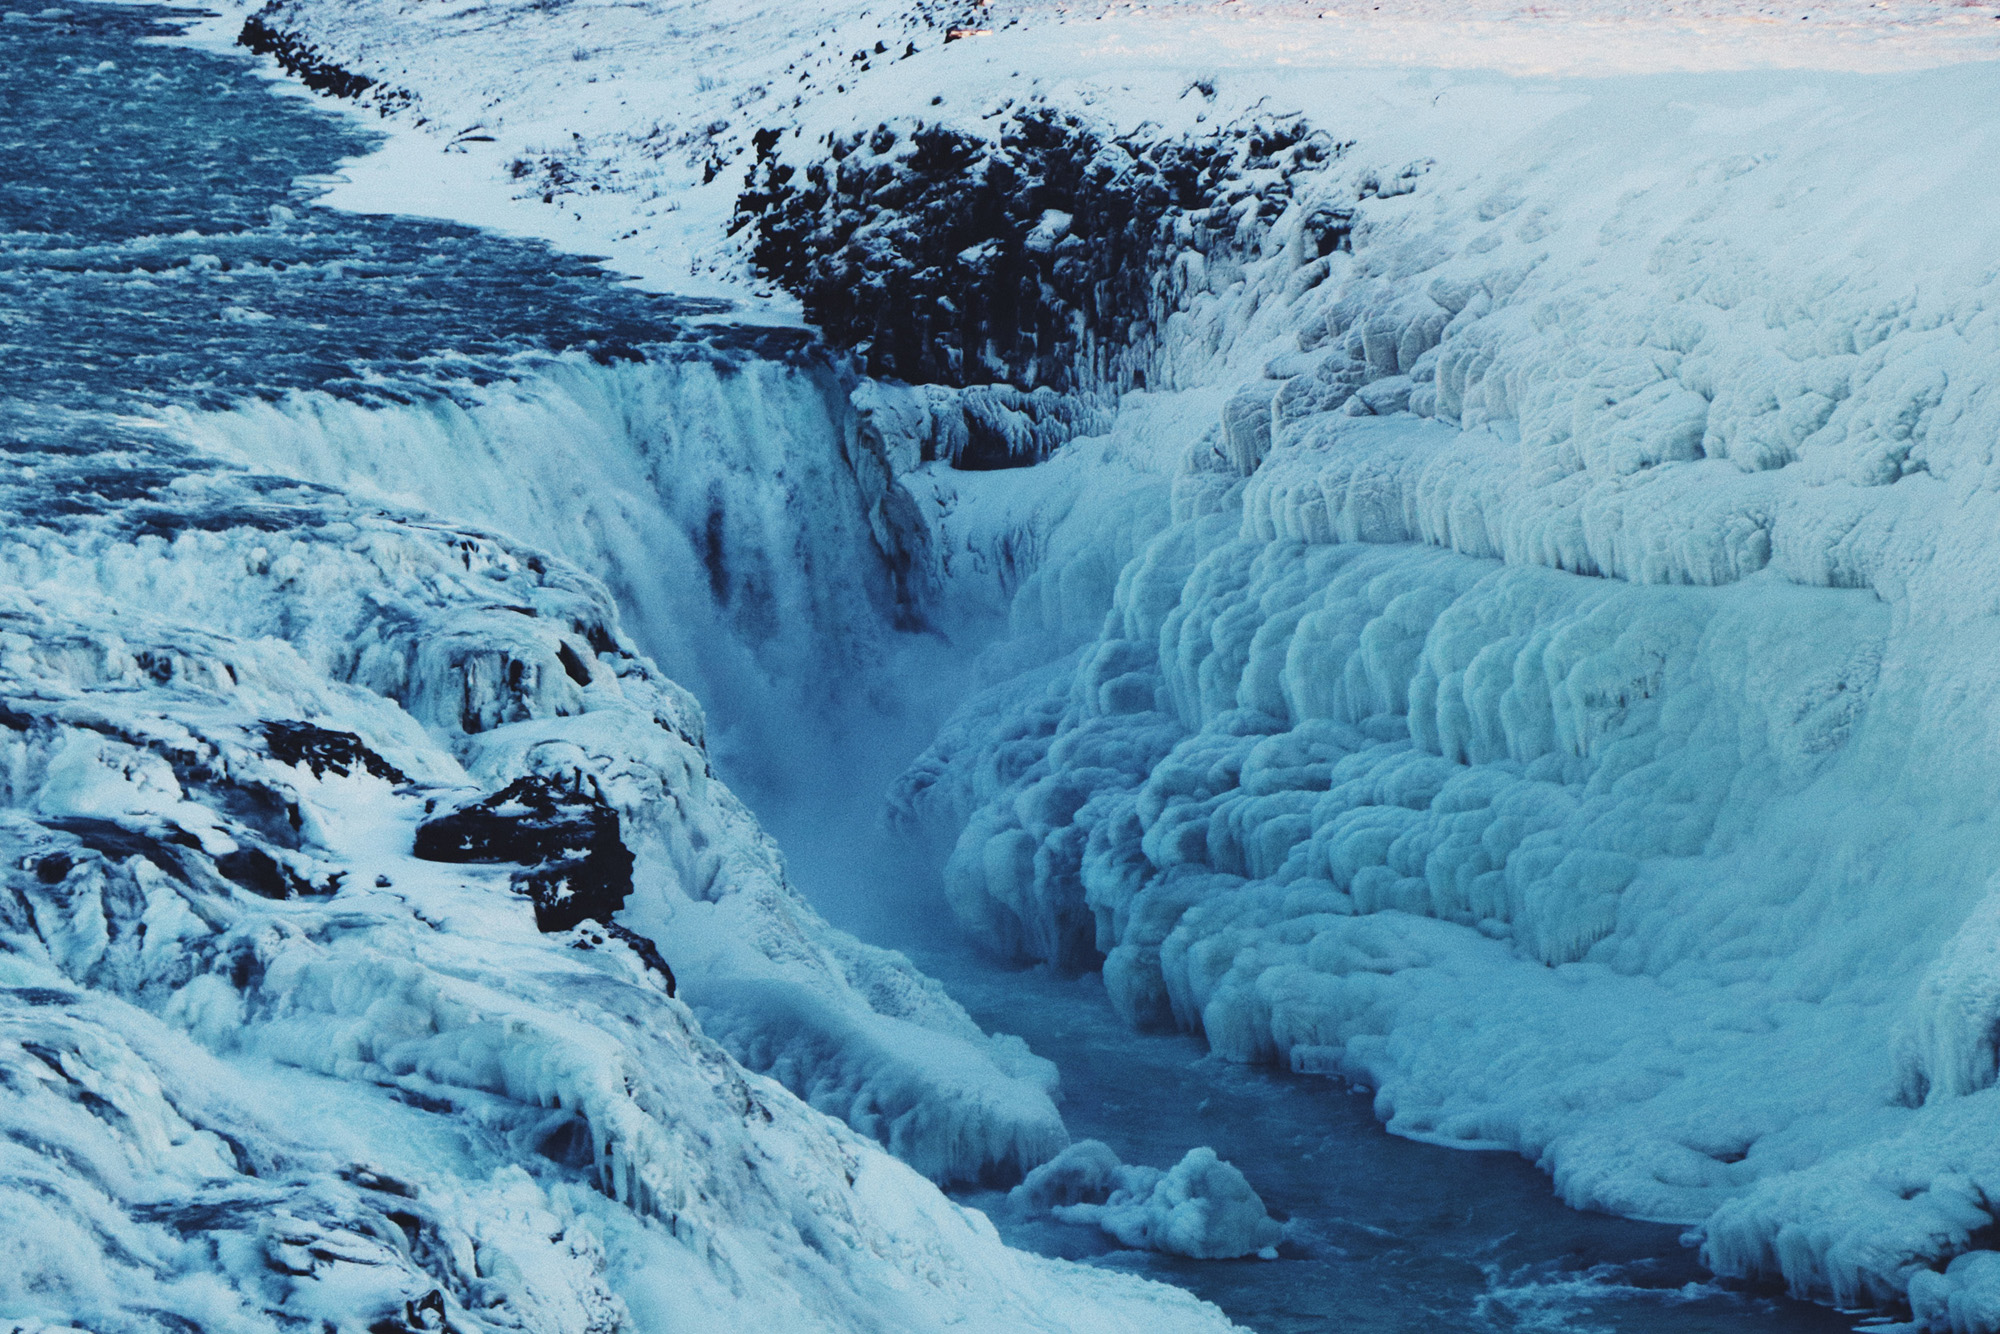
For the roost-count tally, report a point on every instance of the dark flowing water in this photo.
(159, 247)
(1386, 1235)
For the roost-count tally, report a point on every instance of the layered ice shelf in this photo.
(1559, 699)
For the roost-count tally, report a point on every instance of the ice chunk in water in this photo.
(1202, 1207)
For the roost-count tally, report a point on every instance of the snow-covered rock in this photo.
(263, 1063)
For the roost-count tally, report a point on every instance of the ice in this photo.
(710, 490)
(1201, 1207)
(952, 1105)
(720, 503)
(1549, 703)
(372, 1090)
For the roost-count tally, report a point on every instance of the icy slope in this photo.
(716, 495)
(263, 1065)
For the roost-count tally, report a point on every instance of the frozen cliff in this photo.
(279, 1047)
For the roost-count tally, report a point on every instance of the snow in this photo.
(640, 158)
(1584, 757)
(1536, 665)
(676, 481)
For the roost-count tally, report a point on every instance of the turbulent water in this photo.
(161, 247)
(171, 290)
(164, 261)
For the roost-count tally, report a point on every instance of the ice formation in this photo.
(1201, 1207)
(1554, 702)
(265, 1064)
(717, 497)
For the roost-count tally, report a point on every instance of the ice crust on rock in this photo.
(365, 1088)
(1201, 1207)
(738, 513)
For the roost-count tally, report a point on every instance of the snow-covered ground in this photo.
(1535, 659)
(622, 129)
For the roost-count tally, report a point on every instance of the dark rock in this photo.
(569, 891)
(118, 843)
(301, 59)
(565, 837)
(941, 258)
(573, 664)
(648, 953)
(421, 1316)
(321, 749)
(369, 1178)
(1331, 229)
(259, 872)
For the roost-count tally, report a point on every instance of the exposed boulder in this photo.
(565, 839)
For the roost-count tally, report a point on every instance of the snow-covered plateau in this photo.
(1478, 533)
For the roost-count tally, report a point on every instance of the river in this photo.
(1385, 1235)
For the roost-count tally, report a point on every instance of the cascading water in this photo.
(713, 491)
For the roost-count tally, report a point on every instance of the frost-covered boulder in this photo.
(575, 865)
